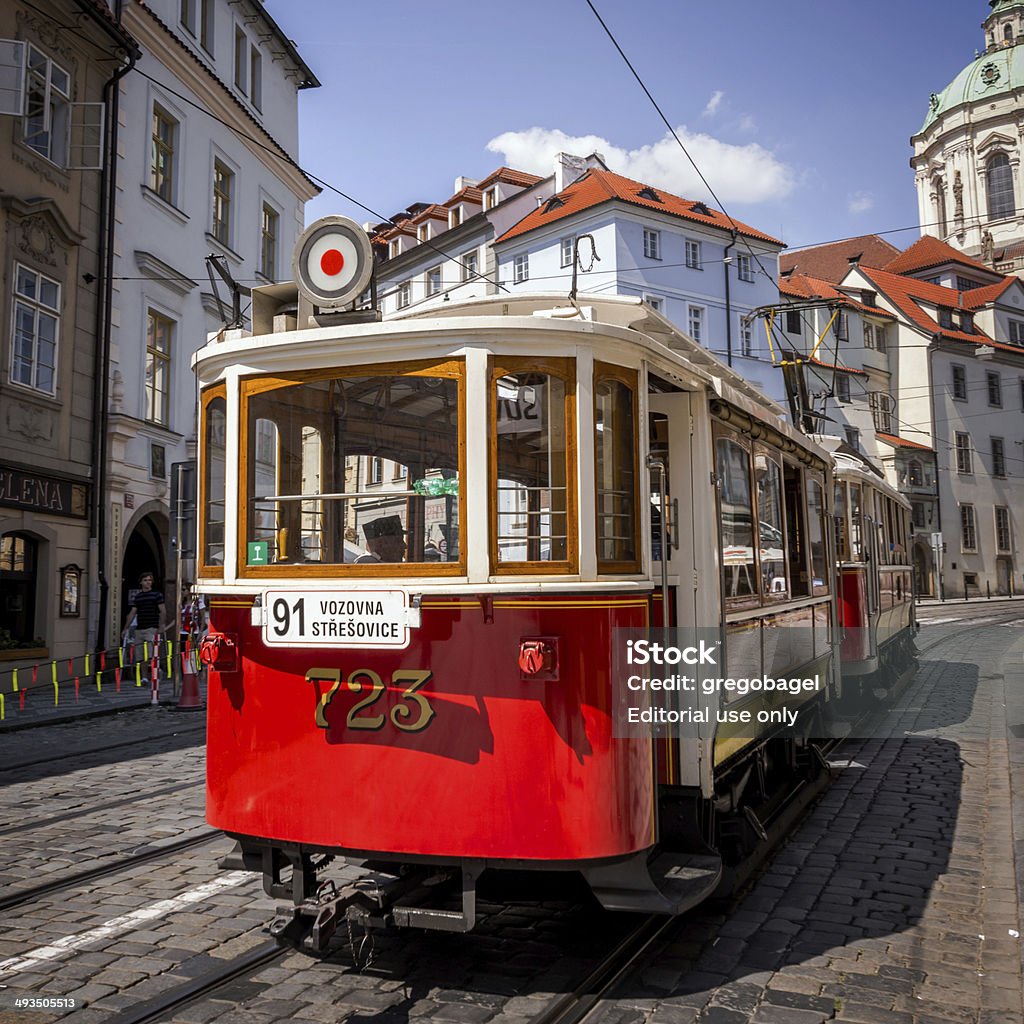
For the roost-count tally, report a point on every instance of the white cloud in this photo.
(716, 99)
(746, 174)
(860, 202)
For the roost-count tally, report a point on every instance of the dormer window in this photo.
(553, 204)
(700, 208)
(967, 323)
(648, 193)
(868, 298)
(491, 198)
(394, 248)
(423, 232)
(946, 318)
(455, 216)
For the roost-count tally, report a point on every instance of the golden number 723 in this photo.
(412, 713)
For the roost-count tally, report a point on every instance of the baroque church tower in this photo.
(967, 154)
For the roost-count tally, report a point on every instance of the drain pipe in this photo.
(726, 261)
(104, 304)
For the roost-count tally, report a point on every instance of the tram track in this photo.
(144, 856)
(81, 812)
(18, 765)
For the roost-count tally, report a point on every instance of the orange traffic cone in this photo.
(189, 699)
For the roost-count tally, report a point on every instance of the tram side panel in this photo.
(476, 761)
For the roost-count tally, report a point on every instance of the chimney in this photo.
(567, 169)
(462, 182)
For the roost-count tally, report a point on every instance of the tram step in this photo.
(671, 883)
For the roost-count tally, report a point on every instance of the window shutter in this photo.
(85, 141)
(12, 77)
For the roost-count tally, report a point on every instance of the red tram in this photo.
(420, 538)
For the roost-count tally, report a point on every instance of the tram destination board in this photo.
(333, 618)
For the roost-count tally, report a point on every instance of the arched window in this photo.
(999, 180)
(1008, 33)
(914, 473)
(18, 587)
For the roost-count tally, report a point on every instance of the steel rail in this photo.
(16, 899)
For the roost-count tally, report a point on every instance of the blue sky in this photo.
(798, 113)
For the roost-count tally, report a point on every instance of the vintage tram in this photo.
(419, 539)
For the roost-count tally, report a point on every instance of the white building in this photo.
(208, 149)
(967, 154)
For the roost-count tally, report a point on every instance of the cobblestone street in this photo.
(896, 899)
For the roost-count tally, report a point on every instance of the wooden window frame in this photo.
(208, 396)
(564, 368)
(631, 379)
(251, 387)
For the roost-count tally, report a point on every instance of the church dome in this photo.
(993, 74)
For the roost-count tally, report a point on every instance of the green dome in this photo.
(991, 75)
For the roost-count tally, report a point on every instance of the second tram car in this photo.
(418, 539)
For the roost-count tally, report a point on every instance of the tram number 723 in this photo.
(413, 713)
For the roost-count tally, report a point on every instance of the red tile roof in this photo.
(831, 262)
(901, 442)
(928, 252)
(598, 186)
(835, 366)
(978, 297)
(803, 286)
(907, 294)
(510, 176)
(469, 194)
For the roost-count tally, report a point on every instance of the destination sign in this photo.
(355, 618)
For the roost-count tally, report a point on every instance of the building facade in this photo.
(208, 151)
(967, 154)
(53, 89)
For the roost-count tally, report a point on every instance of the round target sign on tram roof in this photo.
(333, 262)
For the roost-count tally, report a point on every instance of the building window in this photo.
(206, 25)
(241, 61)
(946, 318)
(881, 405)
(433, 280)
(655, 302)
(995, 390)
(841, 327)
(568, 249)
(1017, 332)
(959, 383)
(470, 264)
(968, 532)
(693, 254)
(376, 471)
(747, 339)
(455, 216)
(964, 284)
(999, 184)
(696, 320)
(158, 461)
(423, 232)
(914, 473)
(394, 248)
(842, 387)
(652, 244)
(256, 77)
(223, 187)
(521, 268)
(967, 322)
(917, 514)
(869, 335)
(794, 323)
(852, 438)
(880, 342)
(162, 166)
(36, 330)
(159, 338)
(1003, 534)
(998, 457)
(404, 294)
(18, 585)
(47, 107)
(268, 242)
(188, 16)
(744, 267)
(491, 198)
(964, 459)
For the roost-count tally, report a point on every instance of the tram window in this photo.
(839, 511)
(816, 537)
(736, 518)
(533, 500)
(213, 483)
(771, 527)
(658, 446)
(312, 446)
(616, 460)
(796, 531)
(856, 536)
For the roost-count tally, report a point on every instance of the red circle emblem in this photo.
(331, 262)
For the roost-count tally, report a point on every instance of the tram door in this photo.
(672, 441)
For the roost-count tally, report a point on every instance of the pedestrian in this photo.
(385, 540)
(150, 614)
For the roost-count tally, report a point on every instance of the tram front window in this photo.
(357, 467)
(531, 423)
